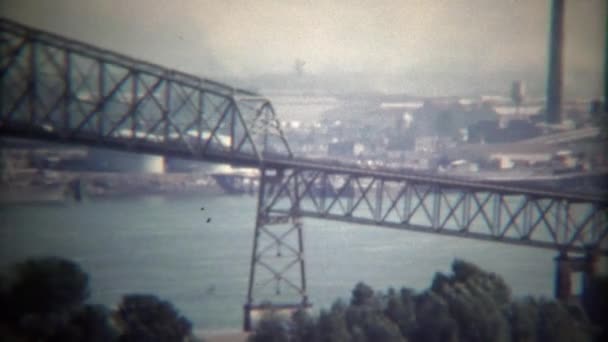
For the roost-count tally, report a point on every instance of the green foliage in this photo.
(522, 315)
(47, 285)
(556, 323)
(434, 320)
(362, 295)
(368, 324)
(475, 300)
(304, 327)
(401, 309)
(332, 325)
(480, 281)
(271, 328)
(90, 323)
(43, 299)
(468, 305)
(146, 318)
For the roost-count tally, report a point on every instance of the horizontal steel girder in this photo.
(547, 220)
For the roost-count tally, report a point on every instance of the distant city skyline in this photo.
(458, 47)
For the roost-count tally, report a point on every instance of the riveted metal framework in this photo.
(564, 222)
(60, 89)
(277, 270)
(57, 89)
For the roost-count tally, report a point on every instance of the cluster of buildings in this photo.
(485, 132)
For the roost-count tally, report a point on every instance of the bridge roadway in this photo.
(269, 161)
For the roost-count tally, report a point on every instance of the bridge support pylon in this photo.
(567, 265)
(277, 278)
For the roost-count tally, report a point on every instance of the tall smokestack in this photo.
(554, 80)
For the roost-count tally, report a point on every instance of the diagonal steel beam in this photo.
(307, 186)
(581, 227)
(420, 204)
(481, 210)
(452, 210)
(283, 188)
(541, 217)
(339, 194)
(362, 196)
(13, 56)
(513, 217)
(103, 100)
(217, 126)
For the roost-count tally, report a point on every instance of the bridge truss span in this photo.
(557, 222)
(63, 90)
(568, 223)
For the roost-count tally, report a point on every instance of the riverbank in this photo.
(118, 184)
(35, 186)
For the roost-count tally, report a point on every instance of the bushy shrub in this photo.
(470, 305)
(44, 299)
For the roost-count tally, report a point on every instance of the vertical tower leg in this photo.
(563, 277)
(247, 323)
(590, 269)
(277, 276)
(567, 265)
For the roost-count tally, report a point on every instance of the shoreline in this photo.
(30, 186)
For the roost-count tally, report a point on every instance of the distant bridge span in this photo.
(57, 89)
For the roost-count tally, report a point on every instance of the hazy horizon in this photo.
(416, 47)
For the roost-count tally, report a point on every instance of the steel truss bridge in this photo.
(57, 89)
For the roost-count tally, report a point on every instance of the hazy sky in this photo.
(460, 40)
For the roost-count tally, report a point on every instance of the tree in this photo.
(401, 309)
(362, 294)
(304, 327)
(91, 323)
(488, 282)
(271, 328)
(522, 315)
(332, 325)
(475, 300)
(47, 285)
(369, 324)
(435, 324)
(43, 300)
(470, 305)
(143, 317)
(556, 323)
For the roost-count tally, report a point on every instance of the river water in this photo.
(163, 245)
